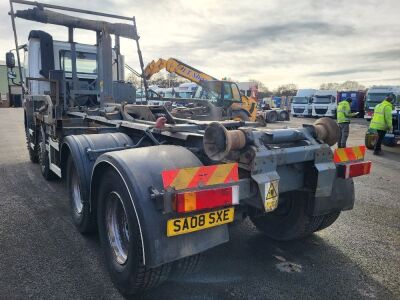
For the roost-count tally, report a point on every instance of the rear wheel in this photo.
(83, 217)
(271, 116)
(121, 239)
(328, 220)
(284, 115)
(290, 220)
(187, 265)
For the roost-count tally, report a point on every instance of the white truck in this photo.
(324, 103)
(301, 103)
(186, 90)
(375, 95)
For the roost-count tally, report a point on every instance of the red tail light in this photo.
(354, 169)
(206, 199)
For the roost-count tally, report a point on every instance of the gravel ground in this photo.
(43, 256)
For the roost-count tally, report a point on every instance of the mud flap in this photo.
(140, 169)
(341, 198)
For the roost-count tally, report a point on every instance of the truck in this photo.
(375, 95)
(324, 103)
(357, 103)
(160, 190)
(186, 89)
(301, 103)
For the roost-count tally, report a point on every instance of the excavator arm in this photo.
(173, 65)
(248, 105)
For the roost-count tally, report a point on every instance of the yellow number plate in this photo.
(200, 222)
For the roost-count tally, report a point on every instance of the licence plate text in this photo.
(199, 222)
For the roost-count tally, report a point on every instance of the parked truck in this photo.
(376, 95)
(357, 103)
(161, 190)
(324, 103)
(302, 103)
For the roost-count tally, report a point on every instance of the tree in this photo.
(286, 90)
(345, 86)
(134, 79)
(262, 88)
(350, 85)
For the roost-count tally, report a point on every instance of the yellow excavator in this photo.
(223, 94)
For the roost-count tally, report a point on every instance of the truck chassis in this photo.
(160, 190)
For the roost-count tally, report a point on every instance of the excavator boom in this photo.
(247, 105)
(173, 65)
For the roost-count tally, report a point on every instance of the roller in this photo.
(218, 141)
(327, 130)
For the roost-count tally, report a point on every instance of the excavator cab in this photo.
(221, 93)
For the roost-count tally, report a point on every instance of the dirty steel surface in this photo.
(43, 256)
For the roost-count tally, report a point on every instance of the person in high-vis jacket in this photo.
(382, 121)
(343, 118)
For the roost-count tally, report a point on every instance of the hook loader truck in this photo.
(160, 190)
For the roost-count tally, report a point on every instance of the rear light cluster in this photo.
(349, 162)
(203, 187)
(206, 199)
(354, 169)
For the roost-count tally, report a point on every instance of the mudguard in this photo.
(85, 148)
(140, 169)
(342, 198)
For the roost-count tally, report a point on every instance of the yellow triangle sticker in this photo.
(271, 196)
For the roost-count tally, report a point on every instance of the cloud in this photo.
(277, 41)
(385, 55)
(345, 72)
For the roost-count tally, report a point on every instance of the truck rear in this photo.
(160, 190)
(358, 101)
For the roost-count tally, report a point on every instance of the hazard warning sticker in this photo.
(271, 195)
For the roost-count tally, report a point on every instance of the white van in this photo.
(301, 103)
(324, 103)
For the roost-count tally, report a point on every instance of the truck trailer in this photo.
(357, 103)
(161, 190)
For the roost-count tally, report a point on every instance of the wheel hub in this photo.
(117, 228)
(76, 195)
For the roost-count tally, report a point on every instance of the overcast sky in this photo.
(276, 42)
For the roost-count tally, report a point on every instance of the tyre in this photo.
(290, 220)
(240, 115)
(187, 265)
(33, 153)
(121, 240)
(283, 115)
(370, 140)
(328, 220)
(83, 217)
(44, 157)
(272, 116)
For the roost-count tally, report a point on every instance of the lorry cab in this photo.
(301, 103)
(376, 95)
(43, 54)
(324, 103)
(186, 90)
